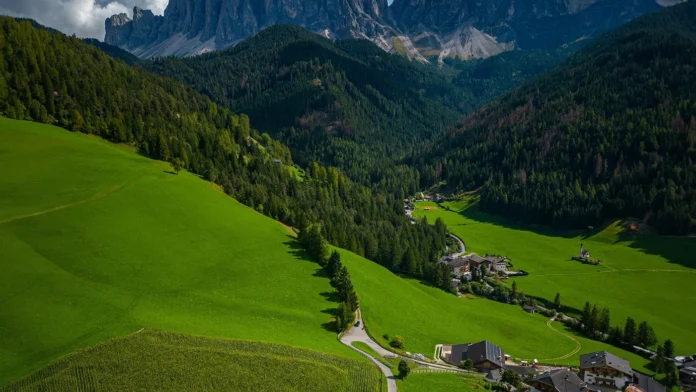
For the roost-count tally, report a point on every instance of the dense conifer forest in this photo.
(346, 104)
(609, 134)
(51, 78)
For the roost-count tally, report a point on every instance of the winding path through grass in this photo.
(578, 346)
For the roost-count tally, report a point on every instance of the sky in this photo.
(84, 18)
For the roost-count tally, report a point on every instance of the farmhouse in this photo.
(603, 369)
(530, 308)
(643, 383)
(559, 380)
(460, 266)
(485, 355)
(687, 374)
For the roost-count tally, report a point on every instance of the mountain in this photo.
(418, 29)
(195, 27)
(468, 29)
(343, 103)
(610, 133)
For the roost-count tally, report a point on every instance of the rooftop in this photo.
(562, 380)
(604, 358)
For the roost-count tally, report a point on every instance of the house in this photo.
(495, 375)
(500, 266)
(687, 374)
(530, 308)
(604, 369)
(460, 266)
(485, 355)
(644, 383)
(559, 380)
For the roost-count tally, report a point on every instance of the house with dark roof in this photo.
(559, 380)
(687, 374)
(485, 355)
(604, 369)
(644, 383)
(460, 266)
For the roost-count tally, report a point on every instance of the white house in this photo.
(606, 370)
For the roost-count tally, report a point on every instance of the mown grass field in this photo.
(157, 360)
(99, 242)
(440, 382)
(647, 277)
(426, 316)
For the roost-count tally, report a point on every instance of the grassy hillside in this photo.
(426, 316)
(99, 242)
(440, 382)
(155, 360)
(643, 276)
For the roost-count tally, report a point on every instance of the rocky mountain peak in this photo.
(416, 28)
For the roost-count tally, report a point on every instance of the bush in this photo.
(397, 342)
(468, 364)
(404, 369)
(386, 337)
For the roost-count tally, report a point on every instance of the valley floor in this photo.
(643, 276)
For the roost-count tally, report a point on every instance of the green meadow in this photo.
(426, 316)
(98, 242)
(644, 276)
(440, 382)
(163, 361)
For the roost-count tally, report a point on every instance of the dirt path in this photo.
(96, 197)
(578, 346)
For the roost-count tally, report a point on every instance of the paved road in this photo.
(358, 334)
(461, 246)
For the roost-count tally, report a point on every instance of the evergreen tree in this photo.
(669, 348)
(557, 301)
(646, 335)
(404, 369)
(630, 334)
(658, 361)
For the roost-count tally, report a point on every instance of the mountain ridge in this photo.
(419, 29)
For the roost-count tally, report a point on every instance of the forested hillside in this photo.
(611, 133)
(50, 78)
(346, 104)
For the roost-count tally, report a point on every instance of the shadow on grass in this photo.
(676, 250)
(170, 172)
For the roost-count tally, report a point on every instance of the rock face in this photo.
(418, 29)
(190, 27)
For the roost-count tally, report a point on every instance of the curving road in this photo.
(461, 245)
(358, 334)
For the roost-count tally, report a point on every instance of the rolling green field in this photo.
(647, 277)
(163, 361)
(426, 316)
(440, 382)
(99, 242)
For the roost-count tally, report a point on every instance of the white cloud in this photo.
(85, 18)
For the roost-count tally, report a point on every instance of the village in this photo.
(596, 372)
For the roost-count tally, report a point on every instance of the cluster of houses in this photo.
(463, 265)
(598, 372)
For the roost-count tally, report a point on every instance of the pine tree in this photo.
(629, 332)
(669, 348)
(658, 361)
(557, 301)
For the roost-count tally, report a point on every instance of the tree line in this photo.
(51, 78)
